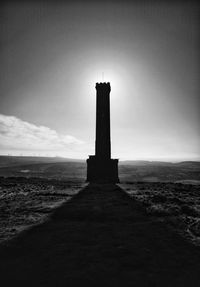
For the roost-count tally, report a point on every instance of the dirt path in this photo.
(100, 238)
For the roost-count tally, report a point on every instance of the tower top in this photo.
(103, 86)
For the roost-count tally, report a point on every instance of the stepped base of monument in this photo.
(102, 170)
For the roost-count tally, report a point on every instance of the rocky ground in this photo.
(101, 237)
(26, 202)
(176, 204)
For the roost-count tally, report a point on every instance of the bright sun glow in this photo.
(106, 71)
(102, 73)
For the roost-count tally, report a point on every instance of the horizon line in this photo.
(123, 159)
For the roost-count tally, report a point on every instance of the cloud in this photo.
(16, 134)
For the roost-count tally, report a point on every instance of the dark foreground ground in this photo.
(101, 237)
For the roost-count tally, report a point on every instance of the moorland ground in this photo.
(101, 237)
(57, 228)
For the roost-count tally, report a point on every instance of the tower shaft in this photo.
(100, 167)
(102, 144)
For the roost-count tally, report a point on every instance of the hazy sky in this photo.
(53, 54)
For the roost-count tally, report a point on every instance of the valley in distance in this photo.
(31, 188)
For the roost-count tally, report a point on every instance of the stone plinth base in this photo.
(102, 170)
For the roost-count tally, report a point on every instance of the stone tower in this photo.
(100, 167)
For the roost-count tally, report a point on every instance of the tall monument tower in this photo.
(100, 167)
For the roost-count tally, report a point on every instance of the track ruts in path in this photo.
(101, 237)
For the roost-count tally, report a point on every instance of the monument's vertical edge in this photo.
(102, 147)
(100, 167)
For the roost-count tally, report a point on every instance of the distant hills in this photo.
(6, 161)
(74, 169)
(160, 163)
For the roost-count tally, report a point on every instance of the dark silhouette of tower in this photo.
(100, 167)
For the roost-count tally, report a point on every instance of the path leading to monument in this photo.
(100, 238)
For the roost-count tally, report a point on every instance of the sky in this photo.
(53, 53)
